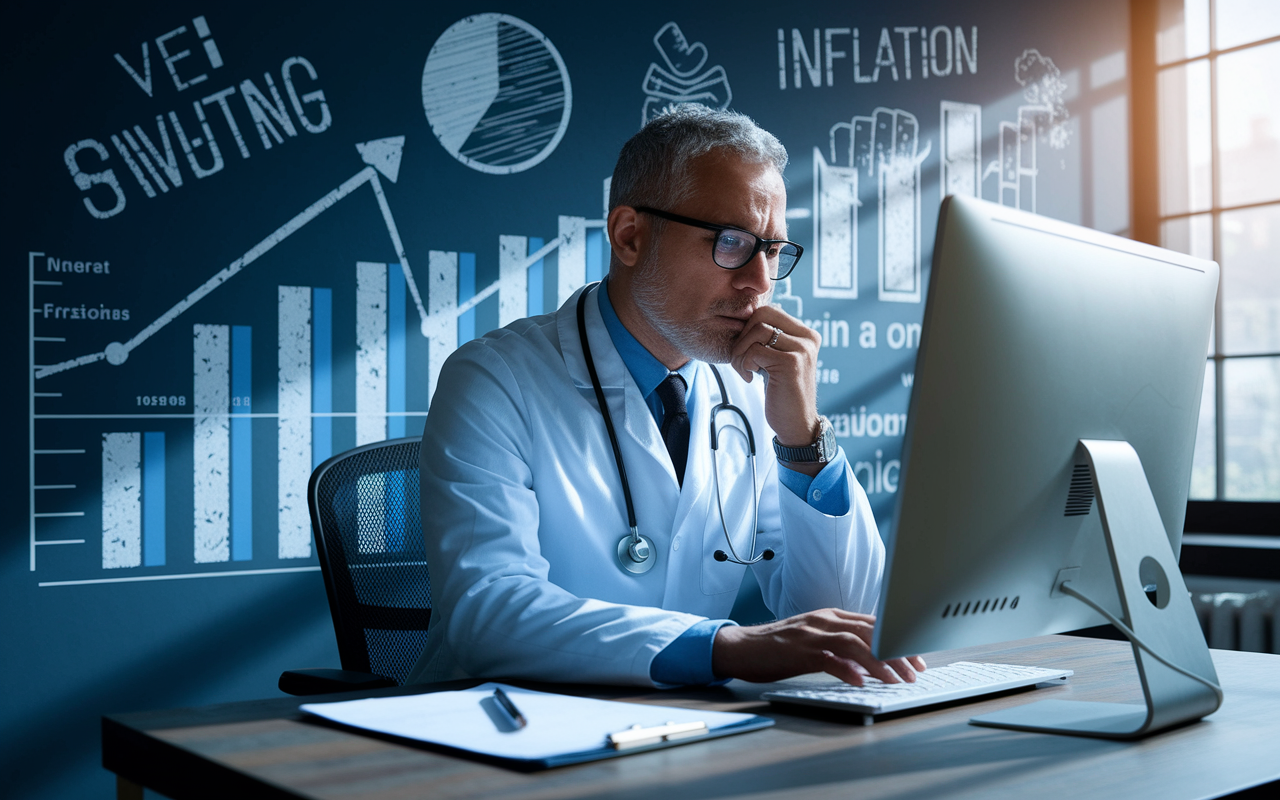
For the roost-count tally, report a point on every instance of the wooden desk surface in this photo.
(265, 749)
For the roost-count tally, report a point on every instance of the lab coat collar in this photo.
(609, 366)
(644, 366)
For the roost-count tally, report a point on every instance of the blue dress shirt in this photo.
(687, 660)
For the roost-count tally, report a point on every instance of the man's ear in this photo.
(628, 234)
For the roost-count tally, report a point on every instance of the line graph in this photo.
(236, 450)
(382, 155)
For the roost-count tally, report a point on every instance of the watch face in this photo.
(826, 442)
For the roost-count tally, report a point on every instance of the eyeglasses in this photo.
(734, 248)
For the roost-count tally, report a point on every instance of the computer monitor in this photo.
(1059, 376)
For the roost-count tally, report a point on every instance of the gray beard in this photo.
(651, 294)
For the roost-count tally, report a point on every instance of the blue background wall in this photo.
(170, 569)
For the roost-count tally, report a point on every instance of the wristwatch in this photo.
(821, 451)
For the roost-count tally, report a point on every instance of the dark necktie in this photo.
(675, 422)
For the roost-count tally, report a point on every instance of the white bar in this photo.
(121, 500)
(1030, 119)
(371, 352)
(961, 161)
(1009, 164)
(835, 201)
(862, 145)
(898, 189)
(513, 279)
(899, 209)
(572, 259)
(442, 316)
(371, 505)
(1110, 165)
(211, 400)
(294, 423)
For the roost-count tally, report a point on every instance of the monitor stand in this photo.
(1140, 556)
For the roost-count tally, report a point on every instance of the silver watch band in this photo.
(822, 450)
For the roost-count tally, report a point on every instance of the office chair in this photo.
(366, 521)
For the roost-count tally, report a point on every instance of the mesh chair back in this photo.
(368, 530)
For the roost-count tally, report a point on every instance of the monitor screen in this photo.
(1037, 334)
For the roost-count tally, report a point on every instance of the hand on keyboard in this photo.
(831, 640)
(960, 680)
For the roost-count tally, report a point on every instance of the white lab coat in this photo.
(522, 510)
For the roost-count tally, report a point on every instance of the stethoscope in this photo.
(636, 553)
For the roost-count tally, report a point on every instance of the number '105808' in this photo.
(162, 400)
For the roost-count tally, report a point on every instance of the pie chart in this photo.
(496, 93)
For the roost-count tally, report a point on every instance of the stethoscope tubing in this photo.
(604, 409)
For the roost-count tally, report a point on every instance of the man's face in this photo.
(699, 307)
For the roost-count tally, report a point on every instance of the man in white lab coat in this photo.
(527, 534)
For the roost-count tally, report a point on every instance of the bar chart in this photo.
(182, 488)
(880, 152)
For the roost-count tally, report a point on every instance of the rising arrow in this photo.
(382, 156)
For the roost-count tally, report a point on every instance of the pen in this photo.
(509, 707)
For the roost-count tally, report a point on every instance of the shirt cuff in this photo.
(687, 660)
(828, 491)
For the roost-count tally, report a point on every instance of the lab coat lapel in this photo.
(597, 335)
(630, 413)
(694, 512)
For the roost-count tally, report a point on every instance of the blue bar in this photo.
(396, 383)
(321, 375)
(241, 443)
(153, 498)
(466, 291)
(395, 489)
(535, 278)
(595, 254)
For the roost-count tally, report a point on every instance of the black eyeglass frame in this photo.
(761, 243)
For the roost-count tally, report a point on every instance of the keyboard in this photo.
(956, 681)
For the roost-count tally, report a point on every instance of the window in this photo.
(1216, 84)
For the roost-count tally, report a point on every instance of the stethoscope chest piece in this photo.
(636, 554)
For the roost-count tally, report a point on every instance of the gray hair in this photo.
(653, 167)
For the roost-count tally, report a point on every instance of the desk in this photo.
(263, 749)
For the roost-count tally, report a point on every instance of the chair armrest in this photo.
(326, 681)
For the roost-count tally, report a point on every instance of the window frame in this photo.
(1203, 516)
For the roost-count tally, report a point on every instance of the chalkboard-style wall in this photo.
(242, 237)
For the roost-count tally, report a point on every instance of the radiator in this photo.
(1240, 621)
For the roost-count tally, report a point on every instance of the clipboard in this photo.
(560, 729)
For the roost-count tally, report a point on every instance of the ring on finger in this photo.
(777, 332)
